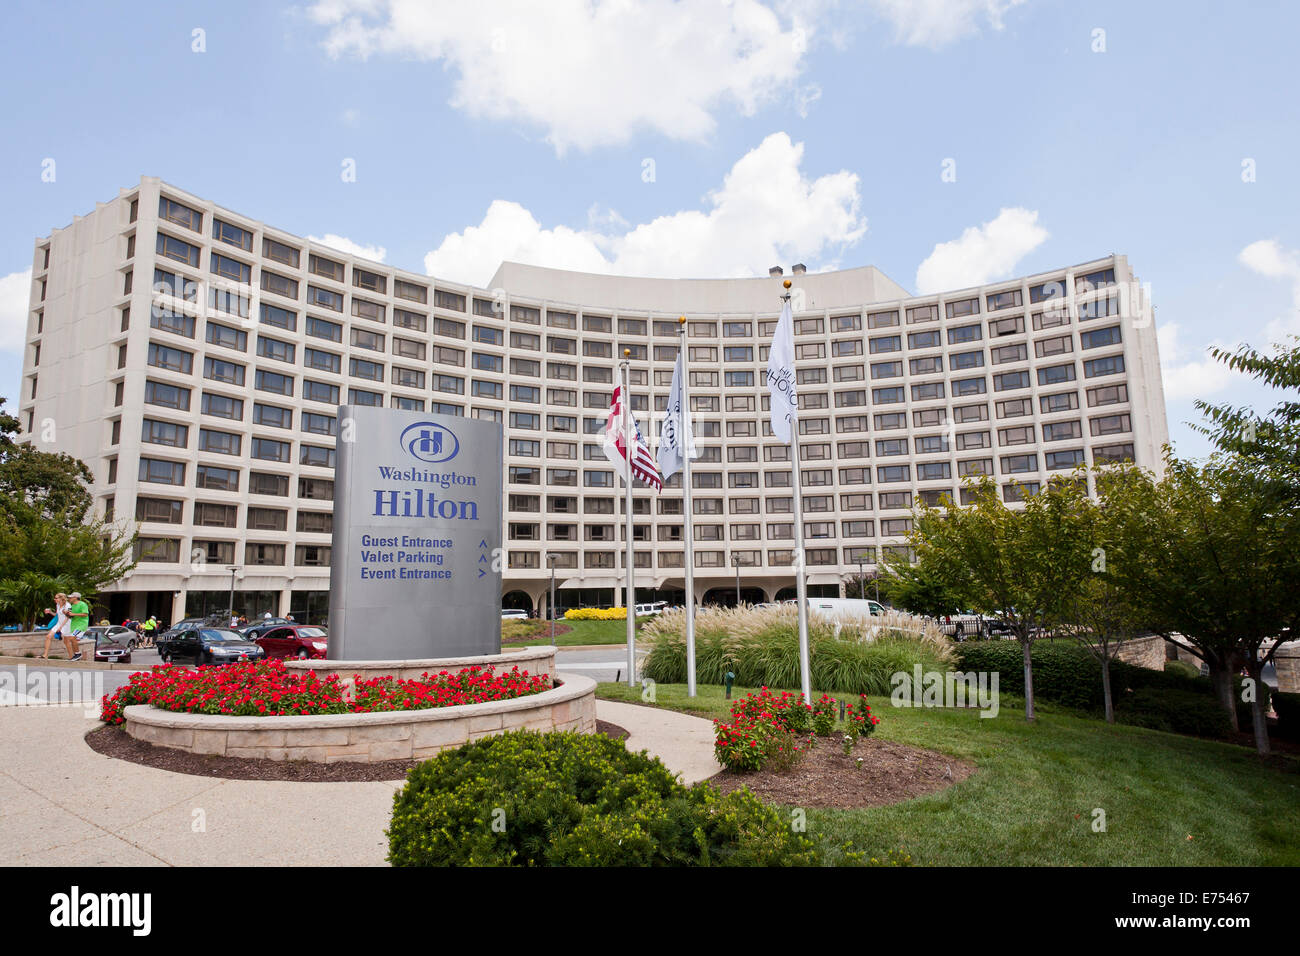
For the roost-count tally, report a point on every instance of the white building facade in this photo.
(194, 358)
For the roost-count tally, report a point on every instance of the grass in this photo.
(1168, 800)
(582, 632)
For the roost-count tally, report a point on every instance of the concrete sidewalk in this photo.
(62, 804)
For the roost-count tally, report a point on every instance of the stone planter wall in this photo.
(534, 660)
(369, 738)
(22, 643)
(1148, 652)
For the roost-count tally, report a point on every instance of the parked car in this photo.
(293, 640)
(510, 614)
(112, 644)
(652, 609)
(123, 635)
(846, 608)
(255, 629)
(210, 645)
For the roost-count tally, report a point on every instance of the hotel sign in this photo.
(415, 571)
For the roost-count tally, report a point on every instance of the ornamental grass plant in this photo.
(760, 646)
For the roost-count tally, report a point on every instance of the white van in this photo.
(652, 609)
(844, 609)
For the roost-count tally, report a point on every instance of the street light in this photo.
(735, 559)
(862, 577)
(232, 568)
(550, 559)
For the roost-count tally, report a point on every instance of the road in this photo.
(47, 682)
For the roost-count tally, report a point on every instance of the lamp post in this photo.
(233, 569)
(550, 559)
(862, 578)
(735, 559)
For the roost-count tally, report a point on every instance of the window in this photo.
(157, 550)
(846, 323)
(324, 298)
(962, 307)
(273, 416)
(1107, 395)
(923, 340)
(1056, 374)
(1002, 354)
(221, 443)
(1109, 454)
(161, 472)
(279, 252)
(213, 478)
(1003, 300)
(273, 382)
(1006, 381)
(360, 368)
(1059, 345)
(180, 214)
(320, 392)
(1019, 464)
(886, 369)
(412, 292)
(275, 349)
(318, 456)
(883, 396)
(923, 313)
(364, 309)
(1061, 402)
(212, 515)
(1110, 424)
(1062, 431)
(1111, 365)
(264, 554)
(280, 285)
(929, 390)
(319, 424)
(322, 361)
(222, 406)
(1014, 408)
(361, 396)
(170, 359)
(1058, 460)
(231, 269)
(882, 320)
(167, 396)
(1097, 338)
(1011, 325)
(326, 268)
(225, 336)
(324, 329)
(268, 449)
(1020, 435)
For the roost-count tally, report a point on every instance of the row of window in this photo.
(150, 549)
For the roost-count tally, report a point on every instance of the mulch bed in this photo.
(890, 773)
(113, 741)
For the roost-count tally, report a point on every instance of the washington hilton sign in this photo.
(417, 536)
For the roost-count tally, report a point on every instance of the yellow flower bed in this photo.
(596, 614)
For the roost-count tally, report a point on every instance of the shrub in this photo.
(1182, 669)
(1287, 708)
(1176, 711)
(565, 799)
(761, 647)
(596, 614)
(823, 716)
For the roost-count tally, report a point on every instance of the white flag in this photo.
(671, 442)
(780, 376)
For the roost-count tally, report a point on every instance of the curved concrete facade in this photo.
(902, 397)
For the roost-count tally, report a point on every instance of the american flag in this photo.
(642, 463)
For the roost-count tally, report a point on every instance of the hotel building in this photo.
(194, 358)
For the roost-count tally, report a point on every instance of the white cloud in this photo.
(937, 23)
(344, 244)
(766, 211)
(982, 253)
(588, 72)
(1268, 258)
(1188, 374)
(15, 297)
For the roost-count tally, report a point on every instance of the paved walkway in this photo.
(63, 804)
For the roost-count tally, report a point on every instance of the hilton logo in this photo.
(429, 442)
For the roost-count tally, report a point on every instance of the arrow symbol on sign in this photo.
(483, 543)
(481, 572)
(482, 559)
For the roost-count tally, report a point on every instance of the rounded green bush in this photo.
(1182, 669)
(1177, 711)
(566, 799)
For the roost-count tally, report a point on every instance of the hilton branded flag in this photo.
(780, 376)
(671, 441)
(642, 463)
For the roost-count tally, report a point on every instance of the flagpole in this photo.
(687, 515)
(629, 445)
(801, 581)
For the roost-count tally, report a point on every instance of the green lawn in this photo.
(1168, 800)
(584, 632)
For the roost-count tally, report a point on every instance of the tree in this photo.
(1096, 612)
(1270, 444)
(1211, 554)
(1016, 563)
(917, 588)
(49, 541)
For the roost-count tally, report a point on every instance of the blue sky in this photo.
(699, 137)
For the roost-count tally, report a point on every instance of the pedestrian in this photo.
(59, 627)
(78, 621)
(147, 629)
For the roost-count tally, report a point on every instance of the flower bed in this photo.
(769, 729)
(267, 689)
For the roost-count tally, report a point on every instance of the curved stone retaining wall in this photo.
(369, 738)
(535, 660)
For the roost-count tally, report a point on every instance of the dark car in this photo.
(294, 640)
(112, 644)
(255, 629)
(210, 645)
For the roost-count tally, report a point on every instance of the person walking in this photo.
(147, 630)
(78, 621)
(60, 627)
